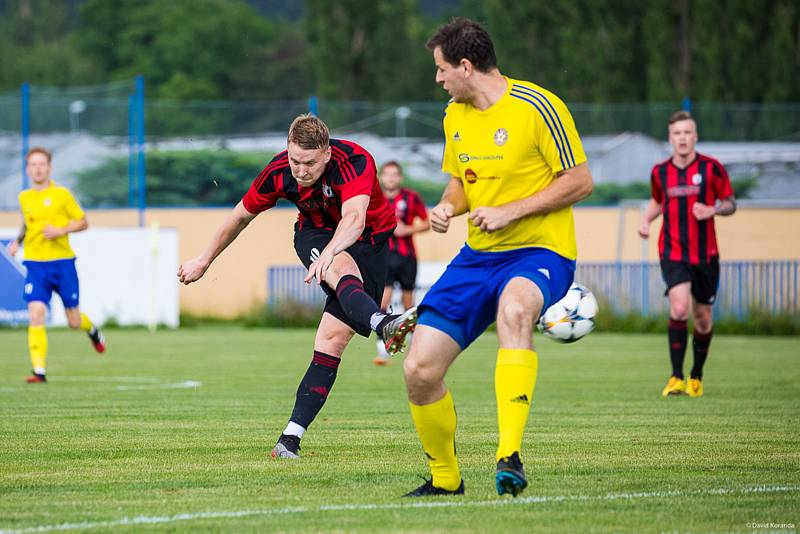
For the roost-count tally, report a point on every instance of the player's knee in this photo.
(419, 375)
(703, 321)
(515, 317)
(679, 311)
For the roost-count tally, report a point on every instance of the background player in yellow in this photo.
(517, 166)
(50, 214)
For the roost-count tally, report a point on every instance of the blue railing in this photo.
(745, 287)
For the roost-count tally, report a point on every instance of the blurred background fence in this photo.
(203, 153)
(746, 287)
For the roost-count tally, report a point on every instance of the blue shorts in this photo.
(463, 302)
(44, 277)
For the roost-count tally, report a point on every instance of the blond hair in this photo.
(309, 132)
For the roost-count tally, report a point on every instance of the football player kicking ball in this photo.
(517, 165)
(340, 235)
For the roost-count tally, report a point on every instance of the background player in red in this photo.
(689, 190)
(340, 235)
(412, 218)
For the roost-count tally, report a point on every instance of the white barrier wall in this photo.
(126, 274)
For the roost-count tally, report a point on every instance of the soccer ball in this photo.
(570, 318)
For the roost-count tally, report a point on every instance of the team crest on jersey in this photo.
(456, 137)
(327, 191)
(697, 179)
(401, 206)
(500, 136)
(48, 201)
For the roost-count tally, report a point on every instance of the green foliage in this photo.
(196, 178)
(593, 50)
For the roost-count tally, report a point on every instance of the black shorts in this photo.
(403, 270)
(704, 278)
(370, 258)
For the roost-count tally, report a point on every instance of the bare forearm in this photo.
(76, 226)
(420, 225)
(726, 207)
(347, 232)
(227, 232)
(569, 188)
(454, 195)
(651, 211)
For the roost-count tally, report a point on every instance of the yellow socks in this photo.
(37, 346)
(86, 323)
(436, 426)
(514, 380)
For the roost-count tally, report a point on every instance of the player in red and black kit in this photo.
(689, 190)
(412, 218)
(341, 236)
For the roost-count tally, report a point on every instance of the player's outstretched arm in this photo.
(348, 230)
(236, 221)
(650, 213)
(453, 203)
(571, 186)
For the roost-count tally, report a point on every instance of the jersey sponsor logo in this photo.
(500, 136)
(314, 254)
(683, 191)
(463, 158)
(471, 177)
(697, 179)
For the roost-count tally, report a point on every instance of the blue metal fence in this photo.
(745, 287)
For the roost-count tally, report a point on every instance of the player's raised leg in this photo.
(432, 408)
(515, 378)
(679, 301)
(315, 386)
(37, 342)
(79, 320)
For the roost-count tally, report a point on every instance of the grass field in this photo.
(172, 432)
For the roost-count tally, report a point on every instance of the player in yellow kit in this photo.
(517, 165)
(51, 214)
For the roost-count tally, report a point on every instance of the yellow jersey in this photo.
(54, 205)
(508, 152)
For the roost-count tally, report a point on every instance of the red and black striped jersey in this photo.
(684, 238)
(407, 205)
(349, 173)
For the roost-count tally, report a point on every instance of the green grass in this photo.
(105, 439)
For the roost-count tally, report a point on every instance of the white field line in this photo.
(139, 382)
(453, 502)
(177, 385)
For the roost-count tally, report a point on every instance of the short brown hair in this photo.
(309, 132)
(681, 115)
(465, 39)
(392, 163)
(39, 150)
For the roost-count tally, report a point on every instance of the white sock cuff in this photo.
(293, 429)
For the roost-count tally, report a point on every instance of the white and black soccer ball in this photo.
(570, 318)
